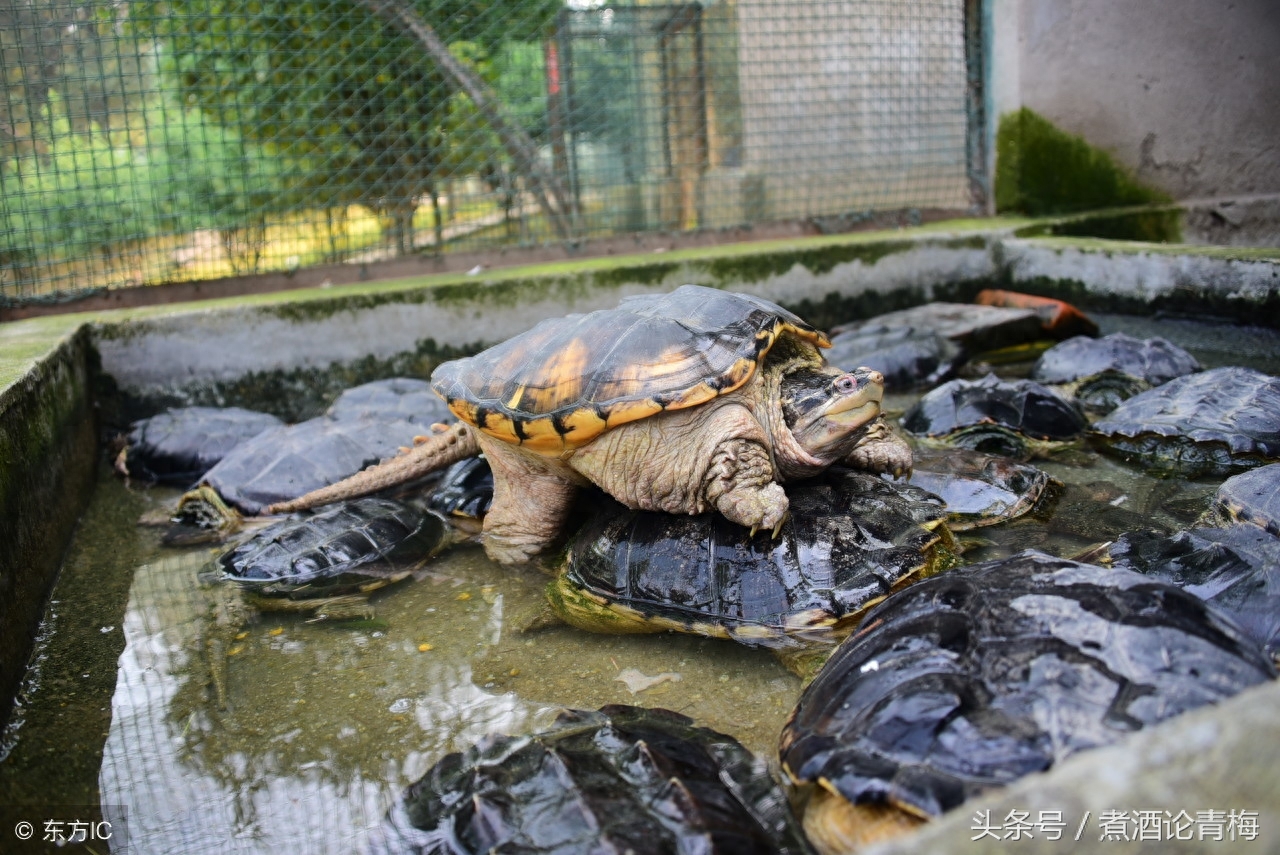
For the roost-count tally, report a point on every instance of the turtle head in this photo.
(825, 407)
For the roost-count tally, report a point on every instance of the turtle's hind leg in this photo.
(530, 506)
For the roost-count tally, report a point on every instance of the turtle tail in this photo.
(456, 442)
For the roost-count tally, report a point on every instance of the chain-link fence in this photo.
(149, 142)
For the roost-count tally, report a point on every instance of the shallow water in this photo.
(327, 722)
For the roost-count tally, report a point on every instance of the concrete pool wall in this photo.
(64, 379)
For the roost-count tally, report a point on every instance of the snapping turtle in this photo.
(326, 563)
(1237, 568)
(624, 779)
(976, 677)
(1099, 373)
(181, 444)
(1015, 418)
(694, 401)
(1215, 422)
(980, 489)
(849, 540)
(1251, 497)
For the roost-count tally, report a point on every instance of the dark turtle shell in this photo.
(908, 357)
(396, 398)
(567, 380)
(1216, 422)
(996, 416)
(286, 462)
(465, 491)
(850, 539)
(1237, 568)
(1101, 372)
(354, 546)
(980, 675)
(979, 489)
(1251, 497)
(624, 779)
(181, 444)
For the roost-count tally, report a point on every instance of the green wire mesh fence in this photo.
(151, 142)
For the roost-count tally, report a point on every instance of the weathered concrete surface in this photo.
(1182, 92)
(1224, 758)
(48, 446)
(1240, 283)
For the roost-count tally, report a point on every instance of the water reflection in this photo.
(318, 738)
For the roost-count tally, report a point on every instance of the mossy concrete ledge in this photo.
(1232, 283)
(48, 448)
(278, 351)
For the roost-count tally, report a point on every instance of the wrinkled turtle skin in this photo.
(1014, 418)
(1215, 422)
(689, 402)
(353, 547)
(1237, 568)
(181, 444)
(623, 779)
(980, 489)
(907, 357)
(1101, 372)
(850, 539)
(976, 677)
(1251, 497)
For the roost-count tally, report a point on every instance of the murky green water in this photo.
(326, 722)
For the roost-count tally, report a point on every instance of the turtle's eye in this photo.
(846, 384)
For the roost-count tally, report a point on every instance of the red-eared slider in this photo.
(394, 399)
(1237, 568)
(973, 678)
(1251, 497)
(287, 462)
(850, 539)
(973, 328)
(465, 493)
(980, 489)
(659, 402)
(1216, 422)
(1014, 418)
(350, 548)
(324, 563)
(624, 779)
(1101, 372)
(907, 357)
(179, 445)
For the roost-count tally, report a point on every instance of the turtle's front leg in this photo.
(881, 450)
(739, 484)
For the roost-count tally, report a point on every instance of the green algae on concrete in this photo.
(48, 448)
(1042, 170)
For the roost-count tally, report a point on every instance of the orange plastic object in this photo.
(1059, 319)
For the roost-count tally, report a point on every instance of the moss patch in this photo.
(1041, 170)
